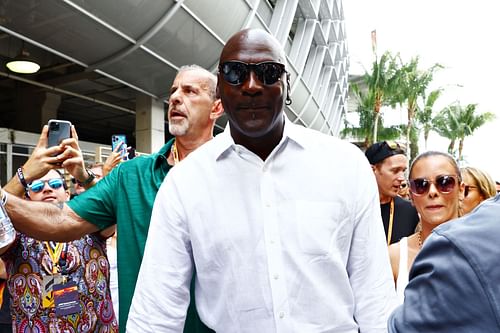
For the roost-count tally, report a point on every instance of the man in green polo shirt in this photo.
(125, 196)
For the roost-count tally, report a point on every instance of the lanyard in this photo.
(391, 222)
(54, 254)
(175, 154)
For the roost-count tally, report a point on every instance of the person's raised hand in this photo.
(112, 161)
(72, 157)
(42, 159)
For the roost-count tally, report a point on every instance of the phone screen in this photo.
(58, 131)
(120, 140)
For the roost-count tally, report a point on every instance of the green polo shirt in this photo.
(125, 197)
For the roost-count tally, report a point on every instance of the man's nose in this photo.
(252, 83)
(175, 99)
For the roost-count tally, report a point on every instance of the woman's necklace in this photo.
(419, 239)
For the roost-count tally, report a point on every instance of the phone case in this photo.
(119, 139)
(58, 131)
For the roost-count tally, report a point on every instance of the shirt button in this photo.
(276, 276)
(281, 314)
(272, 241)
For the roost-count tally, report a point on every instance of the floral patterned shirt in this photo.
(85, 263)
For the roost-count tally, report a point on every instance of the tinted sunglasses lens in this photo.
(269, 72)
(234, 72)
(419, 186)
(445, 184)
(36, 186)
(466, 191)
(55, 183)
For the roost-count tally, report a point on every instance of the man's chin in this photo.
(178, 130)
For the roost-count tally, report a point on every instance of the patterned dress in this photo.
(28, 261)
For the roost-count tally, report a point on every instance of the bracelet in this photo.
(20, 176)
(88, 180)
(4, 198)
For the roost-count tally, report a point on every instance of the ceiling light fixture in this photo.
(23, 64)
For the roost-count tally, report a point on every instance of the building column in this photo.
(149, 124)
(49, 108)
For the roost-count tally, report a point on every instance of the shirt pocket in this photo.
(320, 226)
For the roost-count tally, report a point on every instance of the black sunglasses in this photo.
(444, 184)
(236, 72)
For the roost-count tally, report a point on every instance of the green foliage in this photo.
(380, 83)
(425, 115)
(456, 122)
(412, 83)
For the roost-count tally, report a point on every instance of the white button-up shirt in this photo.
(291, 244)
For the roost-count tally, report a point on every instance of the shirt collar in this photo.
(291, 132)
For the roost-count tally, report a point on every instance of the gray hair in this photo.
(211, 78)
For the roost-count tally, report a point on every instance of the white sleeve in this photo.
(161, 294)
(368, 265)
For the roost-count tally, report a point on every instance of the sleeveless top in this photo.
(403, 273)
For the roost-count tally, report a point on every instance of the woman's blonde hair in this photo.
(484, 182)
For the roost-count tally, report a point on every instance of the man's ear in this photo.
(217, 110)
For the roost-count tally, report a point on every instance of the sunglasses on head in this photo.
(38, 185)
(444, 184)
(393, 145)
(236, 72)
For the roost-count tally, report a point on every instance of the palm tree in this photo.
(380, 83)
(446, 125)
(412, 84)
(365, 129)
(457, 122)
(424, 116)
(366, 105)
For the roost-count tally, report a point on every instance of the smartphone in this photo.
(120, 140)
(58, 131)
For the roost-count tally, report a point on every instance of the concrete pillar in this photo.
(35, 108)
(149, 124)
(49, 107)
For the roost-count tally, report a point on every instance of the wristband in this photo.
(20, 176)
(4, 198)
(88, 180)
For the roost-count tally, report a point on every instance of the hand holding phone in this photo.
(58, 131)
(119, 144)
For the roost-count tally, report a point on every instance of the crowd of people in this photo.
(268, 227)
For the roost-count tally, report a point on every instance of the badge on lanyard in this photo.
(48, 283)
(66, 298)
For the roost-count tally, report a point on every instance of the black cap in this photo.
(379, 151)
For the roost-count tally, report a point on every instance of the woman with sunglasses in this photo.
(479, 186)
(435, 189)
